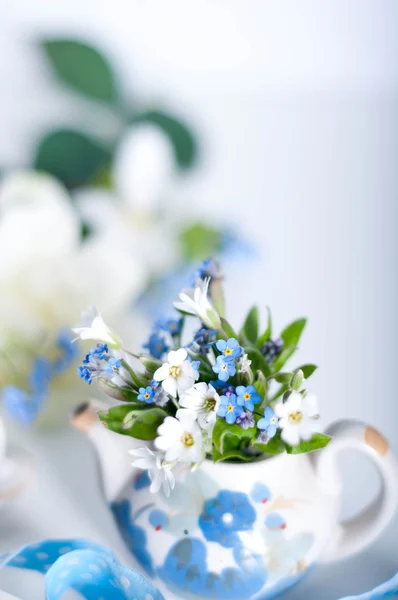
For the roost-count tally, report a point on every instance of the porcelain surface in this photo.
(241, 531)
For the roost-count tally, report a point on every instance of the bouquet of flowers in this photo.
(215, 393)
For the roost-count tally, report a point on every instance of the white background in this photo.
(296, 106)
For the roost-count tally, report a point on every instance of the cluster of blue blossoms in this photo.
(153, 394)
(158, 344)
(24, 405)
(98, 363)
(238, 403)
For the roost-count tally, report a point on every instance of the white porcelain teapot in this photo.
(240, 531)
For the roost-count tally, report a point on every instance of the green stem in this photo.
(174, 401)
(131, 353)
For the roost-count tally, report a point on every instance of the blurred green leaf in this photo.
(292, 333)
(318, 440)
(199, 241)
(274, 446)
(261, 387)
(227, 329)
(82, 68)
(290, 336)
(230, 437)
(139, 422)
(71, 156)
(267, 333)
(308, 370)
(258, 361)
(181, 138)
(283, 377)
(235, 455)
(250, 326)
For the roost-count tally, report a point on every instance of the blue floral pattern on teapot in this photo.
(189, 566)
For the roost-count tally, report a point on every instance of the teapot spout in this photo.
(112, 449)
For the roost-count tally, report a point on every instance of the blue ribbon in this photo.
(83, 566)
(95, 572)
(389, 590)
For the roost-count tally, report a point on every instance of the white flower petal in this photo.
(291, 435)
(170, 386)
(177, 357)
(170, 427)
(162, 372)
(156, 482)
(310, 405)
(175, 452)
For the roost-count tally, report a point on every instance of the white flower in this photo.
(176, 375)
(144, 166)
(180, 438)
(196, 302)
(297, 418)
(244, 364)
(159, 472)
(202, 401)
(93, 327)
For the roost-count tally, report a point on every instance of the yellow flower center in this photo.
(187, 439)
(227, 351)
(295, 417)
(230, 408)
(247, 397)
(175, 372)
(209, 404)
(272, 420)
(146, 396)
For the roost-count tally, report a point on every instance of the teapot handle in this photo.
(353, 535)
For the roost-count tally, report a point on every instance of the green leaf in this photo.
(236, 455)
(319, 440)
(282, 358)
(71, 156)
(261, 386)
(279, 392)
(267, 333)
(138, 422)
(274, 446)
(138, 379)
(250, 326)
(217, 296)
(283, 377)
(258, 361)
(180, 136)
(308, 370)
(82, 68)
(228, 329)
(130, 395)
(226, 437)
(150, 363)
(290, 336)
(199, 241)
(292, 333)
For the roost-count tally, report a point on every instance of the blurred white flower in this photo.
(47, 275)
(143, 174)
(93, 327)
(144, 167)
(196, 302)
(159, 471)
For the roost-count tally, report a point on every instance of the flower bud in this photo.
(297, 380)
